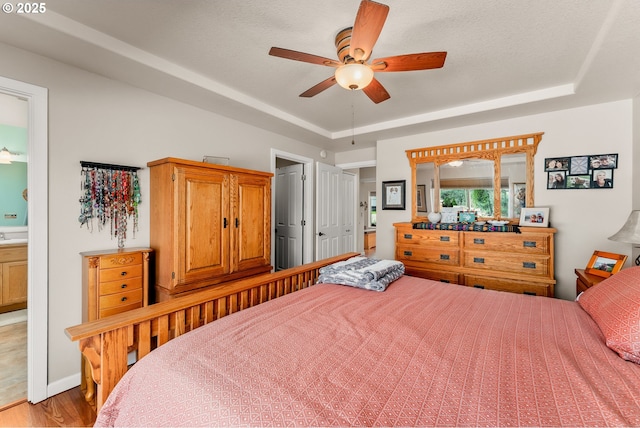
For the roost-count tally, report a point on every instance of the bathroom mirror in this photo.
(492, 177)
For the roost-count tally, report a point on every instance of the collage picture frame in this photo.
(581, 172)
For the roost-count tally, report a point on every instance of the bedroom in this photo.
(92, 117)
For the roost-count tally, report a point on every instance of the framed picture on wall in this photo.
(421, 198)
(393, 195)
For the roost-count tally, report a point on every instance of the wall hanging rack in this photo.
(110, 195)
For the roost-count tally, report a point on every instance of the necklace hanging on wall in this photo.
(109, 194)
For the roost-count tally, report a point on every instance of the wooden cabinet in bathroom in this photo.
(13, 277)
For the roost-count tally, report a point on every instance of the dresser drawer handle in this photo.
(123, 273)
(408, 253)
(478, 286)
(478, 259)
(124, 299)
(479, 241)
(529, 265)
(123, 286)
(444, 238)
(408, 236)
(529, 244)
(444, 256)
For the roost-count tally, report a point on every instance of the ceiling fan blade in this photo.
(325, 84)
(367, 28)
(410, 62)
(304, 57)
(376, 92)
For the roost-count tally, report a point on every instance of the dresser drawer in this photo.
(117, 260)
(440, 256)
(119, 309)
(529, 243)
(431, 238)
(110, 287)
(119, 273)
(529, 264)
(436, 275)
(125, 298)
(521, 287)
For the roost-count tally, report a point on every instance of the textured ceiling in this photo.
(505, 58)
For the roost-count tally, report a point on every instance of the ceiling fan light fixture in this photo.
(5, 156)
(354, 76)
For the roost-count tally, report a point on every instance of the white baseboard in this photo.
(63, 385)
(13, 317)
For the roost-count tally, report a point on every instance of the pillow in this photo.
(614, 304)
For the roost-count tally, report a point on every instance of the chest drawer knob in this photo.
(124, 299)
(529, 265)
(529, 244)
(444, 256)
(408, 236)
(444, 239)
(408, 253)
(123, 273)
(123, 286)
(478, 259)
(479, 241)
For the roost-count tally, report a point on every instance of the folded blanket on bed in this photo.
(363, 272)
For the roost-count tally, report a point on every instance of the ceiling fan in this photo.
(354, 46)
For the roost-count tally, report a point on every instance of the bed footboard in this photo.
(106, 342)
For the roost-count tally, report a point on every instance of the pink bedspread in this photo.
(421, 353)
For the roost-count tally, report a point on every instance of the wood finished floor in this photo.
(13, 363)
(68, 409)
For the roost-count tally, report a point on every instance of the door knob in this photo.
(320, 234)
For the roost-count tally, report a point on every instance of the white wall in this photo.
(584, 218)
(97, 119)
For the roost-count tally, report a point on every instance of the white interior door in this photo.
(348, 213)
(289, 216)
(328, 222)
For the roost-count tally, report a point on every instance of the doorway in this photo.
(291, 209)
(37, 214)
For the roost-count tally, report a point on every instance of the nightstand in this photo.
(585, 280)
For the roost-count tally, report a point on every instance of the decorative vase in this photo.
(434, 217)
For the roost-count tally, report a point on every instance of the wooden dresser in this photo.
(505, 261)
(209, 224)
(114, 281)
(13, 277)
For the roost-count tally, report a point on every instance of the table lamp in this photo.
(630, 232)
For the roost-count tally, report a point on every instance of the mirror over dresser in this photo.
(478, 190)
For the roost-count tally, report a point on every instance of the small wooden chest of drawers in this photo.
(515, 262)
(114, 281)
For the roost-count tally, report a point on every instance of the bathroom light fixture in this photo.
(5, 156)
(354, 76)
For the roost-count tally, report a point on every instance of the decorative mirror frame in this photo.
(485, 149)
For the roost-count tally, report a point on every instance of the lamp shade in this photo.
(630, 232)
(5, 156)
(354, 76)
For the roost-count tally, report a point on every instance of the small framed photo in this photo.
(421, 198)
(467, 216)
(393, 195)
(556, 164)
(578, 182)
(602, 179)
(603, 161)
(556, 180)
(605, 264)
(537, 217)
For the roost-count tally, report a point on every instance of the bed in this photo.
(419, 353)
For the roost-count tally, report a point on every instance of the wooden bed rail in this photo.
(106, 342)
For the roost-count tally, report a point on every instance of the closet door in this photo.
(251, 222)
(204, 224)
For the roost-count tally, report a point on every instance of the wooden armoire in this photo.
(209, 224)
